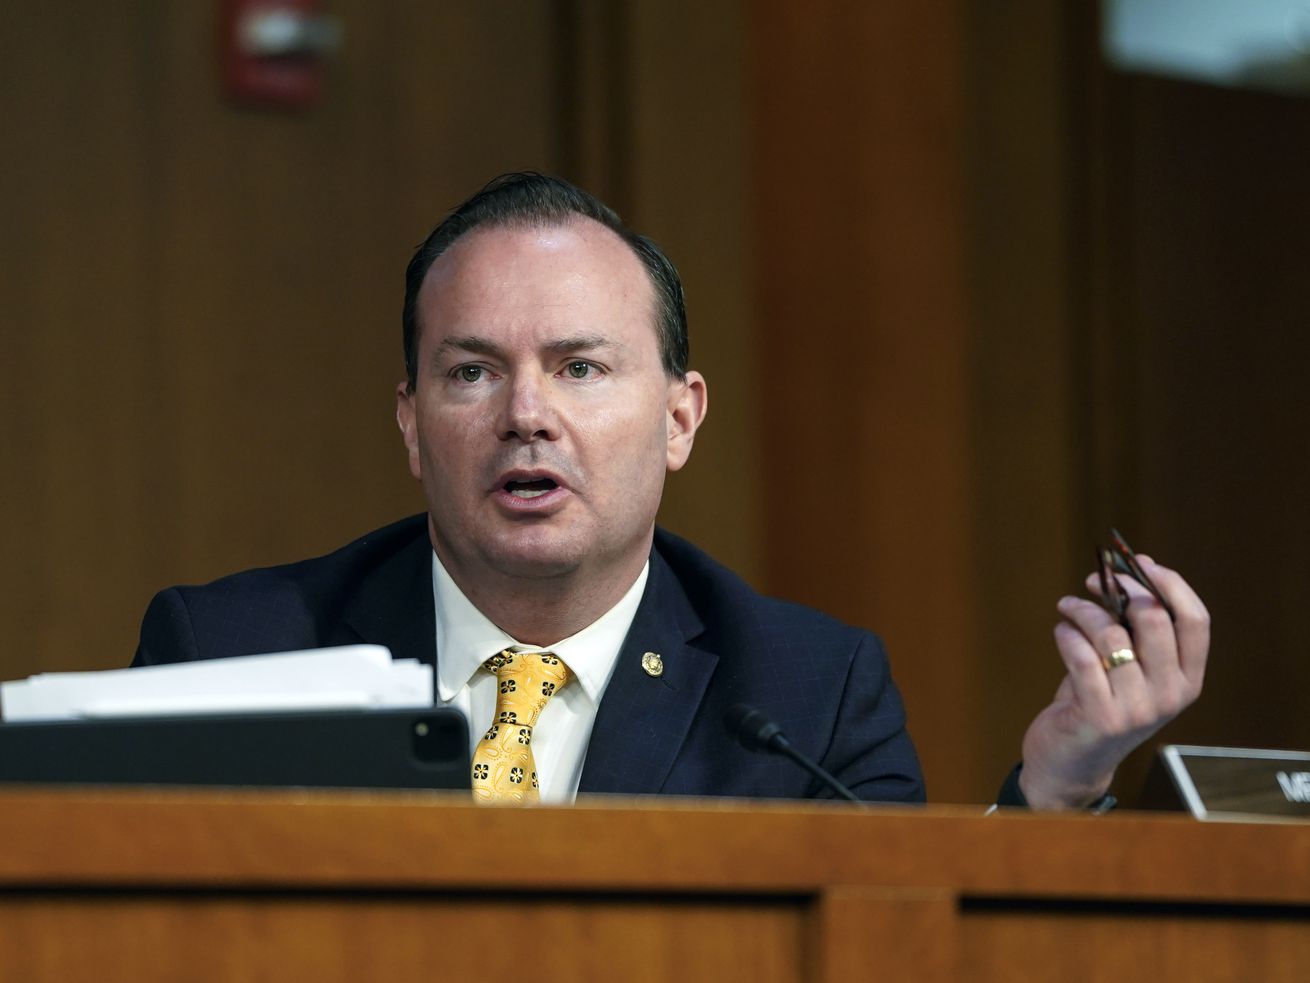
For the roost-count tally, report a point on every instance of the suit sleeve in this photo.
(870, 751)
(167, 634)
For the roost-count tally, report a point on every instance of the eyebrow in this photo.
(470, 343)
(582, 343)
(475, 345)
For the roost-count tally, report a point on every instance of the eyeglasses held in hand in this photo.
(1119, 558)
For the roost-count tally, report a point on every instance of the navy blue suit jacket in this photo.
(826, 684)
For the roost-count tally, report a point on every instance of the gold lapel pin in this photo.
(653, 664)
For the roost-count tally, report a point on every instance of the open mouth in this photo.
(530, 489)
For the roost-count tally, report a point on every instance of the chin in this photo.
(538, 558)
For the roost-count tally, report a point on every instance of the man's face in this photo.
(542, 422)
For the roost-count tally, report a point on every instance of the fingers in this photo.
(1157, 650)
(1171, 652)
(1086, 675)
(1103, 633)
(1181, 644)
(1115, 701)
(1192, 624)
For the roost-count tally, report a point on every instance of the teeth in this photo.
(530, 488)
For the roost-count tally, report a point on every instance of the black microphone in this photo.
(758, 733)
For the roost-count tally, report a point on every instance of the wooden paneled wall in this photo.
(913, 167)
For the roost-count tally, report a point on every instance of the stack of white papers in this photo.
(350, 677)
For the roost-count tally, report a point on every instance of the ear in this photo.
(688, 404)
(407, 419)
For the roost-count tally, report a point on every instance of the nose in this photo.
(527, 411)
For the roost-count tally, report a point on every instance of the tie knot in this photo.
(510, 663)
(527, 680)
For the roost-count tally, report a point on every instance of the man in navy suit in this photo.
(546, 397)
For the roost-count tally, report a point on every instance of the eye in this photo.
(580, 370)
(469, 373)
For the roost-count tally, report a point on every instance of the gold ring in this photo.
(1119, 657)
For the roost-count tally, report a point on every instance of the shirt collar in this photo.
(466, 638)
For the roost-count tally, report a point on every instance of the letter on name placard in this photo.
(1296, 786)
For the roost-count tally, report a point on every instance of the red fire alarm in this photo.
(272, 51)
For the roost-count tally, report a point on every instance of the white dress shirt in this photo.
(466, 638)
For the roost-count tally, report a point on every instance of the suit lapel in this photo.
(393, 605)
(643, 719)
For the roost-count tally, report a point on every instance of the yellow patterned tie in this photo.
(503, 766)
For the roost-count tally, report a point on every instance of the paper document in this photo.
(349, 677)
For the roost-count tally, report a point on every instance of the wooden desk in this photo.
(197, 886)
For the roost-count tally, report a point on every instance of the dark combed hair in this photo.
(527, 199)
